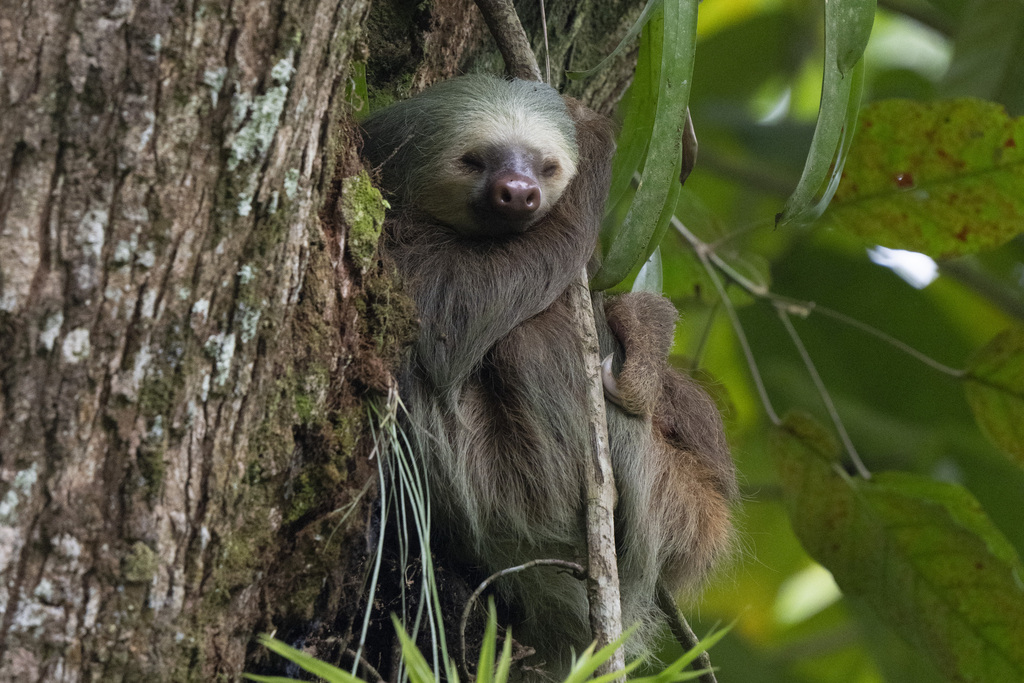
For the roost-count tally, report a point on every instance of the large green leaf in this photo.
(995, 390)
(943, 178)
(648, 216)
(921, 553)
(417, 666)
(847, 27)
(640, 105)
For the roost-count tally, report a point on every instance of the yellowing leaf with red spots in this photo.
(943, 178)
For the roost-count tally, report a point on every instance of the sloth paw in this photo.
(643, 323)
(636, 388)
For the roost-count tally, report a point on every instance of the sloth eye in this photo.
(473, 163)
(550, 168)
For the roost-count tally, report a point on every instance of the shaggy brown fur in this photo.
(496, 386)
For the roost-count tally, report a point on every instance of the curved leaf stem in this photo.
(826, 398)
(577, 571)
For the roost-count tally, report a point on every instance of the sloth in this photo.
(498, 189)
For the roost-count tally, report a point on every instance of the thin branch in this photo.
(703, 254)
(823, 392)
(785, 306)
(547, 48)
(369, 672)
(503, 22)
(889, 339)
(602, 565)
(683, 634)
(577, 571)
(805, 308)
(740, 231)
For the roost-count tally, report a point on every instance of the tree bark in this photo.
(191, 316)
(162, 166)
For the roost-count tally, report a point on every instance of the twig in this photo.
(602, 566)
(703, 253)
(706, 252)
(369, 672)
(683, 634)
(804, 308)
(547, 48)
(887, 338)
(503, 22)
(826, 398)
(578, 572)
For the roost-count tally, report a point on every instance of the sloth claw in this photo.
(611, 386)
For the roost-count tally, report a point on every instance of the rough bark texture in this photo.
(191, 315)
(168, 323)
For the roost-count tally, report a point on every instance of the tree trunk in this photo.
(191, 315)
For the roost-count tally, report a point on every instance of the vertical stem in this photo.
(826, 398)
(602, 567)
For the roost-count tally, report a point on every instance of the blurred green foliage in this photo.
(754, 101)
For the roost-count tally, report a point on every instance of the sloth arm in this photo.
(681, 411)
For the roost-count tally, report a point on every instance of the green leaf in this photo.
(921, 553)
(638, 122)
(329, 673)
(485, 663)
(674, 671)
(505, 661)
(988, 54)
(419, 669)
(648, 216)
(589, 661)
(847, 27)
(854, 19)
(943, 178)
(995, 391)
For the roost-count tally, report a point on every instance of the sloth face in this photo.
(485, 156)
(509, 166)
(498, 187)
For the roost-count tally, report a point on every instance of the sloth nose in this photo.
(514, 195)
